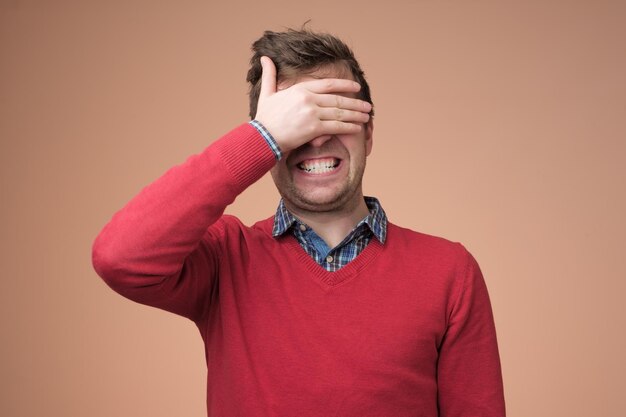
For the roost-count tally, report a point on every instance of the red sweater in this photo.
(405, 329)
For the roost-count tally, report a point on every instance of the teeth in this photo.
(319, 166)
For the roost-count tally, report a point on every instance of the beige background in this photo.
(500, 124)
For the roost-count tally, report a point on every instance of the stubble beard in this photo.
(345, 198)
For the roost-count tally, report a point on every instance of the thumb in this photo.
(268, 77)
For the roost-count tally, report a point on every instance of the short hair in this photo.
(297, 52)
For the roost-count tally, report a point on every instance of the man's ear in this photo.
(369, 136)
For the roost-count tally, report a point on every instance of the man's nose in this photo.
(320, 140)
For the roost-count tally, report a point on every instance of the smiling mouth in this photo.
(319, 166)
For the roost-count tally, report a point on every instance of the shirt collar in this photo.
(376, 220)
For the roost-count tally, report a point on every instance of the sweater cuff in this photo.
(268, 138)
(245, 154)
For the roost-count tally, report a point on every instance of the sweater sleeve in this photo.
(160, 248)
(469, 373)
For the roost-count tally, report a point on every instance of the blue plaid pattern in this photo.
(333, 259)
(268, 138)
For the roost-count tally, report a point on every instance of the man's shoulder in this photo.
(264, 226)
(403, 238)
(230, 224)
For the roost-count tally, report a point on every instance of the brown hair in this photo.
(296, 52)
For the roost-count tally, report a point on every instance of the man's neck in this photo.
(333, 226)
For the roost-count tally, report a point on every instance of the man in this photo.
(326, 308)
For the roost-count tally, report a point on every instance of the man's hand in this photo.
(306, 110)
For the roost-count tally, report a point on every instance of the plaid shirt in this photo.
(373, 225)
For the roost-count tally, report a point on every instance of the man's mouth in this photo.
(319, 166)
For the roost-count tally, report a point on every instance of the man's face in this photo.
(324, 174)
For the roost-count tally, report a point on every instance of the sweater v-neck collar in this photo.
(326, 279)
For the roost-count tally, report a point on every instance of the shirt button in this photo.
(329, 259)
(303, 228)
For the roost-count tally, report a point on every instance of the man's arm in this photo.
(469, 373)
(160, 249)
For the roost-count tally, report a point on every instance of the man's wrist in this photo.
(271, 142)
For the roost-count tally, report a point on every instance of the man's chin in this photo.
(319, 202)
(315, 205)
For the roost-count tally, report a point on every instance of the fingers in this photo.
(331, 85)
(335, 127)
(342, 115)
(309, 109)
(340, 102)
(268, 78)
